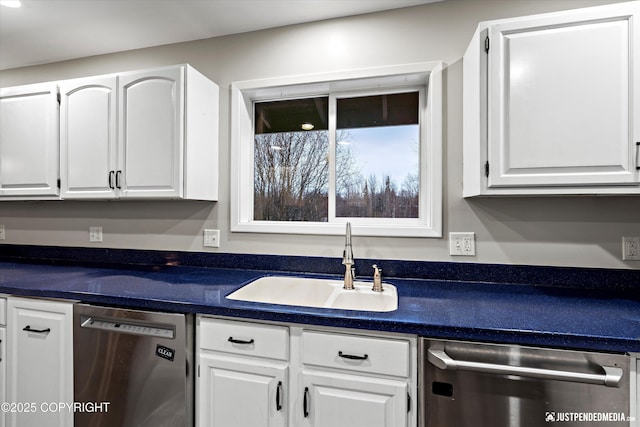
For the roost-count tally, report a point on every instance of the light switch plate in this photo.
(462, 244)
(211, 238)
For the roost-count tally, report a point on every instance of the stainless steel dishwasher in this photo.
(132, 368)
(466, 384)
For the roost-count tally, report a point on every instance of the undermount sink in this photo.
(323, 293)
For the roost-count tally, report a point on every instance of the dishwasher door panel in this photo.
(466, 397)
(137, 362)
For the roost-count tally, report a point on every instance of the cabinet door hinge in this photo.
(486, 45)
(486, 169)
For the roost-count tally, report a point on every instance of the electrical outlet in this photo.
(2, 235)
(95, 234)
(211, 238)
(462, 244)
(631, 248)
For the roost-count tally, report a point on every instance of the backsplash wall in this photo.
(563, 231)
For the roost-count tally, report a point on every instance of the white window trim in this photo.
(242, 95)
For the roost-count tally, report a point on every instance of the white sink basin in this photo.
(324, 293)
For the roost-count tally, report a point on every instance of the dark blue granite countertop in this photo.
(508, 313)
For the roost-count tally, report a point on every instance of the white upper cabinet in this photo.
(151, 133)
(29, 118)
(88, 134)
(142, 134)
(552, 104)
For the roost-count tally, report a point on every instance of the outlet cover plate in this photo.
(631, 248)
(462, 244)
(95, 234)
(211, 238)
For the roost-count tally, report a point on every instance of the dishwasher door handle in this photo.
(611, 377)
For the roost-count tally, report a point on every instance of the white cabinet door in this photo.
(29, 135)
(3, 371)
(88, 138)
(332, 399)
(151, 133)
(40, 361)
(240, 392)
(551, 104)
(564, 99)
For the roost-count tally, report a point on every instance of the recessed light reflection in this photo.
(307, 126)
(11, 3)
(276, 147)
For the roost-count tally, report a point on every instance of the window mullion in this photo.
(332, 158)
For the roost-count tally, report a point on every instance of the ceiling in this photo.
(43, 31)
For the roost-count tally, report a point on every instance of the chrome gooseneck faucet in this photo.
(347, 260)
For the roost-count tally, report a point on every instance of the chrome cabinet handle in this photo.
(37, 331)
(278, 396)
(118, 175)
(611, 377)
(638, 155)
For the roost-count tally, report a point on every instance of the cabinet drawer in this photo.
(245, 338)
(3, 311)
(356, 353)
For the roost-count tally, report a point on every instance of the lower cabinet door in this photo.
(241, 393)
(40, 362)
(3, 371)
(340, 400)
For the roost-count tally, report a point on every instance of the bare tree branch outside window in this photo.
(291, 178)
(291, 167)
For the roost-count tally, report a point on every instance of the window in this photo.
(310, 153)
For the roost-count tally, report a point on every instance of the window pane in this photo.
(291, 170)
(378, 155)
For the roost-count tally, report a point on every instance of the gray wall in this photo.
(563, 231)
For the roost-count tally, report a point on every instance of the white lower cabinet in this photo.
(242, 374)
(634, 401)
(352, 380)
(333, 399)
(3, 356)
(40, 362)
(242, 393)
(255, 374)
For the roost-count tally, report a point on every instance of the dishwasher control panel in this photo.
(127, 327)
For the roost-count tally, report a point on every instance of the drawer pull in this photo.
(352, 356)
(305, 403)
(236, 341)
(278, 393)
(37, 331)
